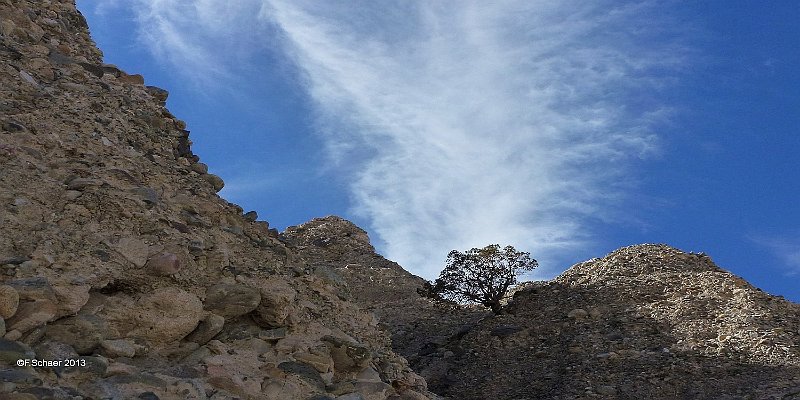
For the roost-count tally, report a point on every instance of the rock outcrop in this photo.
(119, 261)
(644, 322)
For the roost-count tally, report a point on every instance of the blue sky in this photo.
(565, 129)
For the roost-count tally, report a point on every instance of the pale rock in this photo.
(606, 390)
(166, 315)
(133, 249)
(72, 194)
(13, 335)
(199, 167)
(9, 301)
(320, 363)
(28, 78)
(119, 348)
(71, 298)
(134, 79)
(368, 374)
(277, 298)
(163, 264)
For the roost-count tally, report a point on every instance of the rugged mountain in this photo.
(341, 249)
(116, 251)
(646, 321)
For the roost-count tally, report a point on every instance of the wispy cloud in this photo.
(477, 123)
(205, 41)
(459, 123)
(784, 248)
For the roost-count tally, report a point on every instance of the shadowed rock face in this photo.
(646, 321)
(115, 249)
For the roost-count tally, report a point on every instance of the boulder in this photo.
(277, 297)
(166, 315)
(209, 326)
(163, 264)
(32, 314)
(231, 300)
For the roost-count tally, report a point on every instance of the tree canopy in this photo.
(481, 275)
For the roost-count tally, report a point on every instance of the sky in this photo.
(565, 129)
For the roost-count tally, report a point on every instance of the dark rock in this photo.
(37, 288)
(148, 195)
(83, 332)
(83, 183)
(505, 330)
(20, 376)
(251, 216)
(11, 351)
(15, 260)
(95, 70)
(159, 94)
(59, 59)
(272, 335)
(12, 126)
(304, 371)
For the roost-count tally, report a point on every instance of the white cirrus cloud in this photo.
(785, 248)
(463, 123)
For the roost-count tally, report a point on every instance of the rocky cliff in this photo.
(121, 264)
(644, 322)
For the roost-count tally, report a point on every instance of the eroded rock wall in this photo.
(115, 249)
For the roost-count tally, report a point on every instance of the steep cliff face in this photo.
(117, 252)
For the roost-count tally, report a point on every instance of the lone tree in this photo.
(481, 276)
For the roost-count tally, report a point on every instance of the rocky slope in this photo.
(343, 250)
(116, 251)
(646, 321)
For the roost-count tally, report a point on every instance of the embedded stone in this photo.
(119, 348)
(166, 315)
(209, 326)
(9, 301)
(164, 264)
(277, 298)
(83, 183)
(83, 332)
(232, 300)
(133, 249)
(32, 314)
